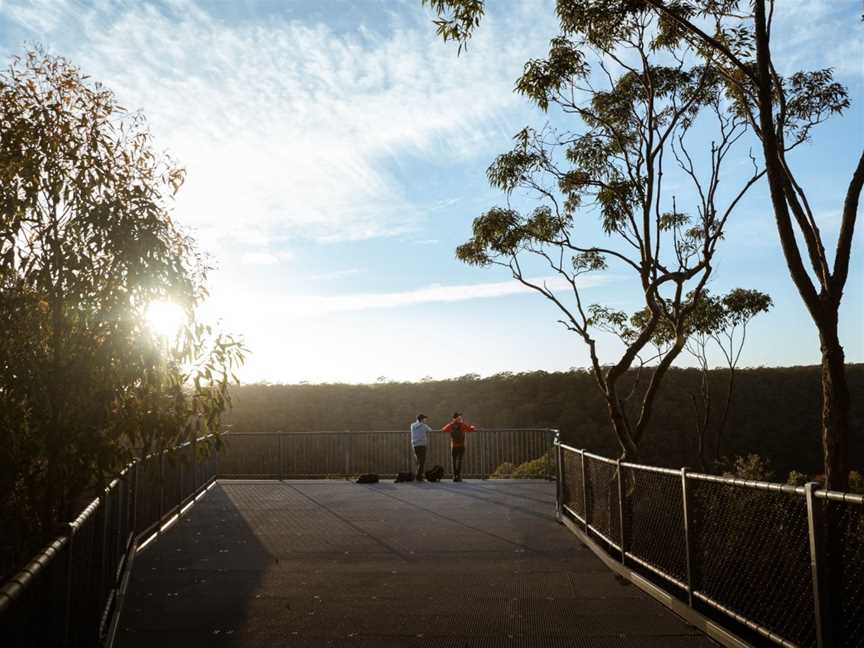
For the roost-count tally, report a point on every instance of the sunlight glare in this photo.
(165, 318)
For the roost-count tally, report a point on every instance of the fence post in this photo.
(585, 498)
(819, 567)
(623, 539)
(688, 537)
(559, 474)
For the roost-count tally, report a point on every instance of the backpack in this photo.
(404, 477)
(435, 473)
(368, 478)
(457, 433)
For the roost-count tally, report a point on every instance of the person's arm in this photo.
(469, 428)
(447, 427)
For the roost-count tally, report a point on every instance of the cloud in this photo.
(812, 34)
(305, 306)
(259, 258)
(290, 129)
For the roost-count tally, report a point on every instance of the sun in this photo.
(165, 318)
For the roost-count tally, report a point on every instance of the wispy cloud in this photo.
(304, 306)
(811, 34)
(259, 258)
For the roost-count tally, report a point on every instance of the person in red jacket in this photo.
(457, 429)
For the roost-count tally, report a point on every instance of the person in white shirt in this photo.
(419, 439)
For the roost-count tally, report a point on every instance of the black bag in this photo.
(368, 478)
(404, 477)
(457, 433)
(435, 473)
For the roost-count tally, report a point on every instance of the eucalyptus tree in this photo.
(717, 323)
(734, 37)
(635, 98)
(87, 242)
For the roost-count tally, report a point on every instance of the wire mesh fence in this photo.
(572, 482)
(602, 498)
(783, 566)
(653, 513)
(751, 551)
(847, 552)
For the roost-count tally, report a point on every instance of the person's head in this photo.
(421, 418)
(457, 416)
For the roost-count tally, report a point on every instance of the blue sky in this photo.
(336, 155)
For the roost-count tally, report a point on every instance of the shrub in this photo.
(797, 478)
(505, 470)
(752, 466)
(535, 469)
(856, 482)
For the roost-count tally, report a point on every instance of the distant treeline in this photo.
(775, 412)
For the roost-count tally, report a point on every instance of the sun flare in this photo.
(165, 318)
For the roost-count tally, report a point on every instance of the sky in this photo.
(336, 153)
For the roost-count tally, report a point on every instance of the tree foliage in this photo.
(87, 242)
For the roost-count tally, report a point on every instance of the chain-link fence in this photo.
(783, 564)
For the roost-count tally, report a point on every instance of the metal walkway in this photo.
(323, 563)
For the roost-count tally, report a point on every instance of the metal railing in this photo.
(786, 563)
(295, 455)
(71, 593)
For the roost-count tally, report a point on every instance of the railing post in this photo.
(280, 450)
(819, 567)
(559, 472)
(623, 539)
(134, 514)
(688, 537)
(179, 463)
(67, 617)
(161, 490)
(348, 439)
(194, 465)
(585, 499)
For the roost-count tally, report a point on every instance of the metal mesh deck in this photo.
(318, 563)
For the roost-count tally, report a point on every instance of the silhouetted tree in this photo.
(86, 244)
(734, 37)
(632, 131)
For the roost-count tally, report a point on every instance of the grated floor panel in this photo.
(416, 565)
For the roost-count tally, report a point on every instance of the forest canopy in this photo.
(775, 414)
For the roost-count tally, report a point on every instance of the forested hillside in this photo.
(775, 413)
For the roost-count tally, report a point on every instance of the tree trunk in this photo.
(835, 409)
(629, 450)
(721, 428)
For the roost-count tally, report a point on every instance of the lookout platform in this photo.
(333, 563)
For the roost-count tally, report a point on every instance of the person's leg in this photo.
(458, 453)
(420, 452)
